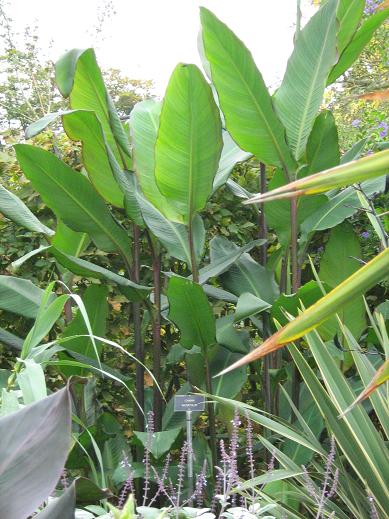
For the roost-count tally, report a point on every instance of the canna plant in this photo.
(145, 183)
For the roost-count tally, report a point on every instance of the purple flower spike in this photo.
(365, 235)
(383, 126)
(371, 6)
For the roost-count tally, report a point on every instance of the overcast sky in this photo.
(147, 38)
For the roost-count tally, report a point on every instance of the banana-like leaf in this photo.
(191, 312)
(189, 142)
(71, 196)
(61, 508)
(338, 207)
(144, 124)
(355, 285)
(350, 173)
(69, 241)
(349, 15)
(131, 290)
(174, 236)
(360, 39)
(337, 264)
(379, 378)
(84, 126)
(20, 296)
(9, 339)
(13, 208)
(231, 155)
(299, 97)
(243, 96)
(34, 446)
(41, 124)
(79, 77)
(323, 144)
(223, 255)
(244, 274)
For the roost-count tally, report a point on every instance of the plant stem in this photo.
(293, 244)
(138, 340)
(157, 397)
(208, 378)
(267, 361)
(211, 415)
(295, 287)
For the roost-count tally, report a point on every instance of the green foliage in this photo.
(183, 296)
(188, 146)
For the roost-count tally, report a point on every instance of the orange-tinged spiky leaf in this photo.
(353, 286)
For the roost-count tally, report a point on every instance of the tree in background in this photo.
(27, 88)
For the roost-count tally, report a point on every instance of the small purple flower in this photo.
(365, 235)
(371, 6)
(383, 126)
(356, 123)
(320, 249)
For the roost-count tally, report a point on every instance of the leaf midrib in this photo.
(312, 87)
(257, 106)
(83, 208)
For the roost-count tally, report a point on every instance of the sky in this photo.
(147, 38)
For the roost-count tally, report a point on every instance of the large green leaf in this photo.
(95, 301)
(245, 274)
(34, 446)
(233, 339)
(323, 144)
(41, 124)
(9, 339)
(354, 286)
(84, 126)
(349, 15)
(243, 96)
(144, 124)
(338, 263)
(20, 296)
(189, 142)
(174, 236)
(160, 442)
(305, 297)
(79, 77)
(358, 42)
(339, 206)
(69, 241)
(231, 155)
(62, 507)
(131, 290)
(223, 255)
(70, 195)
(300, 95)
(191, 312)
(226, 386)
(13, 208)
